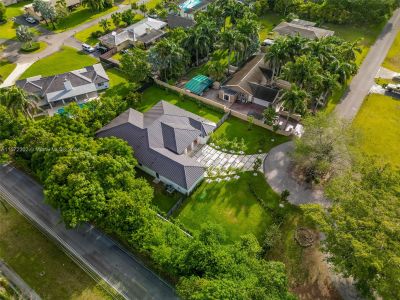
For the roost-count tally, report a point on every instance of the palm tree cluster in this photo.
(17, 100)
(313, 67)
(227, 26)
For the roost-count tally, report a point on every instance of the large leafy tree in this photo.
(46, 10)
(323, 150)
(135, 65)
(3, 17)
(362, 227)
(168, 58)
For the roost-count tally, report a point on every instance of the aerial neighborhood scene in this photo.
(199, 149)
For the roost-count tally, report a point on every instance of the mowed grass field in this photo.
(378, 122)
(5, 69)
(40, 263)
(67, 59)
(256, 139)
(7, 30)
(231, 205)
(80, 16)
(392, 60)
(154, 94)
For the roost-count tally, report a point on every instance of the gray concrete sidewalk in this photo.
(95, 252)
(18, 282)
(276, 169)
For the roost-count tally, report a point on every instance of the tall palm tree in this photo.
(294, 100)
(277, 56)
(216, 70)
(17, 100)
(25, 34)
(343, 69)
(105, 24)
(229, 41)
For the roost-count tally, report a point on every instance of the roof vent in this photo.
(68, 85)
(114, 33)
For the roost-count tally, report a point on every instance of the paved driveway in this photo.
(211, 157)
(93, 249)
(276, 169)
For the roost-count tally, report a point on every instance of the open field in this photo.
(255, 140)
(392, 60)
(67, 59)
(231, 204)
(378, 122)
(5, 69)
(154, 94)
(40, 263)
(80, 16)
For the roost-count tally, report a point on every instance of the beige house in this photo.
(30, 11)
(251, 84)
(303, 28)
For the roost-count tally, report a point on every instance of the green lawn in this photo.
(154, 94)
(256, 139)
(378, 120)
(392, 60)
(7, 30)
(117, 56)
(85, 35)
(152, 3)
(5, 69)
(267, 22)
(231, 204)
(80, 16)
(40, 263)
(161, 199)
(67, 59)
(118, 83)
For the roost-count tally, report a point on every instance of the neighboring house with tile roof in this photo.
(175, 21)
(146, 31)
(74, 86)
(161, 139)
(252, 83)
(303, 28)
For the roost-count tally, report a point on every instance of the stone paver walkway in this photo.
(277, 174)
(211, 157)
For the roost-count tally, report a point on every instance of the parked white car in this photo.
(88, 48)
(394, 88)
(30, 20)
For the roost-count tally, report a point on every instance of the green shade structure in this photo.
(198, 84)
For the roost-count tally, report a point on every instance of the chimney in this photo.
(67, 85)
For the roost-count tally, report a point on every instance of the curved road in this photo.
(93, 249)
(364, 80)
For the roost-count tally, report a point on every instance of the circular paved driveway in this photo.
(276, 170)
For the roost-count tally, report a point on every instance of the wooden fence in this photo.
(227, 110)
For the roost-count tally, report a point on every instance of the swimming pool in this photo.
(189, 4)
(62, 109)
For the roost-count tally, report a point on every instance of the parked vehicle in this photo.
(394, 88)
(101, 49)
(30, 20)
(396, 78)
(88, 48)
(267, 42)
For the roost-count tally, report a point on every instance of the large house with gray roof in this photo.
(146, 31)
(303, 28)
(74, 86)
(162, 138)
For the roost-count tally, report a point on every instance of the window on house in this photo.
(226, 97)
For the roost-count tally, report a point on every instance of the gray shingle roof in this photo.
(307, 31)
(66, 85)
(175, 21)
(159, 138)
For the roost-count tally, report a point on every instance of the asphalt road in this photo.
(91, 247)
(364, 80)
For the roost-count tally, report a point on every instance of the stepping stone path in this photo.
(211, 157)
